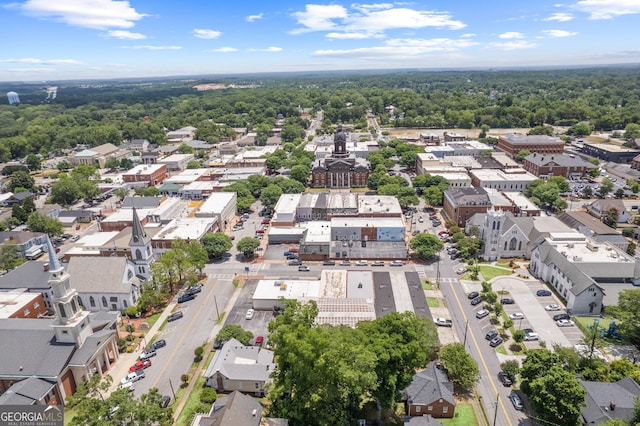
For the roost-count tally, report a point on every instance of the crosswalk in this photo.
(227, 276)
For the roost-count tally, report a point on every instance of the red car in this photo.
(441, 233)
(294, 249)
(140, 365)
(265, 221)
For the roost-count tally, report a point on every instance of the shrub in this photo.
(130, 338)
(518, 336)
(208, 395)
(508, 323)
(198, 354)
(515, 347)
(185, 380)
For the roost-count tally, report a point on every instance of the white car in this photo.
(482, 313)
(564, 323)
(552, 307)
(361, 263)
(250, 313)
(516, 316)
(396, 263)
(129, 386)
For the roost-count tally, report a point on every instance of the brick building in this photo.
(569, 166)
(341, 169)
(149, 174)
(546, 145)
(460, 204)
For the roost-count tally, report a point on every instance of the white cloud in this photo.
(560, 17)
(36, 70)
(402, 48)
(206, 34)
(224, 49)
(318, 17)
(513, 45)
(252, 18)
(125, 35)
(511, 35)
(370, 20)
(147, 47)
(468, 35)
(559, 33)
(352, 36)
(43, 61)
(608, 9)
(98, 14)
(272, 49)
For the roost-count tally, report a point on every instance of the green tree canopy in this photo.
(248, 245)
(426, 245)
(21, 179)
(233, 331)
(557, 396)
(216, 244)
(38, 222)
(461, 367)
(270, 195)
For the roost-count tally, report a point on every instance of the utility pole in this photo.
(217, 310)
(174, 393)
(466, 329)
(495, 415)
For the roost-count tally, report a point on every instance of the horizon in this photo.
(70, 40)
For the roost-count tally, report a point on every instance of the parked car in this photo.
(292, 256)
(491, 334)
(507, 301)
(133, 377)
(194, 289)
(552, 307)
(504, 378)
(362, 263)
(174, 316)
(564, 323)
(144, 356)
(250, 313)
(345, 263)
(396, 263)
(378, 263)
(303, 268)
(473, 295)
(128, 386)
(186, 297)
(329, 262)
(294, 249)
(159, 344)
(166, 400)
(461, 271)
(482, 313)
(140, 365)
(295, 262)
(529, 334)
(559, 317)
(516, 401)
(476, 301)
(259, 341)
(543, 293)
(516, 316)
(287, 253)
(443, 322)
(75, 238)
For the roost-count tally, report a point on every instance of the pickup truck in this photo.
(443, 322)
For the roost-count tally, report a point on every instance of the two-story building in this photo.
(512, 144)
(568, 166)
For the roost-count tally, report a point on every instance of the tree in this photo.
(21, 179)
(512, 368)
(63, 166)
(18, 213)
(580, 129)
(557, 396)
(300, 173)
(126, 164)
(9, 258)
(38, 222)
(112, 163)
(244, 198)
(461, 367)
(270, 195)
(216, 244)
(587, 192)
(536, 364)
(232, 331)
(522, 154)
(426, 245)
(65, 191)
(121, 193)
(628, 313)
(541, 130)
(632, 131)
(606, 186)
(248, 245)
(33, 162)
(194, 164)
(28, 205)
(631, 248)
(149, 191)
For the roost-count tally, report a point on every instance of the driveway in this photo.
(524, 294)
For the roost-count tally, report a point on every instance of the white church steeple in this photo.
(140, 246)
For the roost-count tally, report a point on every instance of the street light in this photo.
(594, 330)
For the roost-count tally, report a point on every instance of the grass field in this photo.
(193, 404)
(153, 318)
(489, 272)
(432, 302)
(465, 416)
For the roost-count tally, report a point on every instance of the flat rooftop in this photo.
(287, 203)
(525, 139)
(611, 147)
(186, 228)
(580, 251)
(378, 204)
(11, 301)
(318, 232)
(216, 202)
(363, 222)
(499, 175)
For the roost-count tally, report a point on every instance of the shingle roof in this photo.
(111, 278)
(577, 219)
(600, 396)
(425, 420)
(561, 160)
(239, 362)
(88, 349)
(32, 387)
(28, 275)
(235, 409)
(430, 385)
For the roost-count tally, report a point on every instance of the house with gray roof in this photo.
(238, 367)
(234, 409)
(601, 207)
(569, 166)
(27, 242)
(593, 228)
(115, 288)
(430, 392)
(609, 401)
(30, 391)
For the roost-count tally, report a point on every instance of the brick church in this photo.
(341, 169)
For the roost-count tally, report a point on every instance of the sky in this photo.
(48, 40)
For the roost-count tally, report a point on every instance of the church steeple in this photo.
(140, 246)
(72, 322)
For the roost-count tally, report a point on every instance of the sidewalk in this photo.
(177, 409)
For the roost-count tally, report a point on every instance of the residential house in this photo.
(568, 166)
(140, 145)
(115, 288)
(592, 227)
(238, 367)
(425, 420)
(606, 401)
(430, 392)
(236, 409)
(600, 208)
(29, 244)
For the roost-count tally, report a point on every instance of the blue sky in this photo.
(44, 40)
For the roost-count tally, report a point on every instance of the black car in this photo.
(504, 378)
(476, 301)
(542, 293)
(454, 256)
(186, 297)
(218, 343)
(159, 344)
(174, 316)
(473, 295)
(166, 400)
(507, 301)
(195, 289)
(496, 341)
(559, 317)
(491, 334)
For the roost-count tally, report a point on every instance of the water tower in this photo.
(13, 98)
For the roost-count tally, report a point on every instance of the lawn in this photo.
(192, 404)
(151, 319)
(489, 272)
(465, 416)
(432, 302)
(503, 262)
(426, 285)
